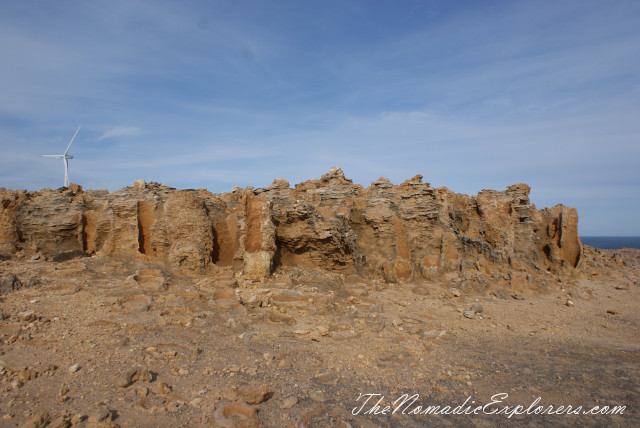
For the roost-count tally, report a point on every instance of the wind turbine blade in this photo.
(66, 172)
(52, 156)
(72, 138)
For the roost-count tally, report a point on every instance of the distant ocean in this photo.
(611, 242)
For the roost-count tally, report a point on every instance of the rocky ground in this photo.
(629, 256)
(99, 342)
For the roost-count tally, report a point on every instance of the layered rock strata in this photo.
(394, 233)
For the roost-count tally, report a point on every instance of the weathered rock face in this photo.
(396, 233)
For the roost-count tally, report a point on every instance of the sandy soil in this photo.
(92, 345)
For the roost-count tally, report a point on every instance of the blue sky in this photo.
(470, 94)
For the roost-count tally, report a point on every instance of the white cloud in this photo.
(120, 131)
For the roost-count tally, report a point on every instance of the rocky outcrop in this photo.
(397, 233)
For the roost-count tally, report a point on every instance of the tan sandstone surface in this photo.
(153, 306)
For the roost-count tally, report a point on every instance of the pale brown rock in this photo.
(41, 420)
(99, 415)
(162, 388)
(237, 414)
(134, 375)
(396, 233)
(252, 394)
(289, 402)
(59, 422)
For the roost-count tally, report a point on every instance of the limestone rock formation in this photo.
(395, 233)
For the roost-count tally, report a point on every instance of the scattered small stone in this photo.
(580, 294)
(236, 414)
(230, 394)
(174, 406)
(74, 368)
(324, 330)
(453, 292)
(27, 374)
(388, 358)
(420, 290)
(318, 396)
(433, 334)
(622, 286)
(285, 364)
(128, 378)
(51, 370)
(135, 375)
(315, 336)
(183, 372)
(477, 308)
(77, 418)
(500, 294)
(40, 420)
(163, 388)
(569, 303)
(254, 395)
(289, 402)
(329, 378)
(60, 421)
(27, 316)
(10, 283)
(101, 414)
(195, 403)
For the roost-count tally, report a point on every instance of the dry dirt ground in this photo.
(89, 343)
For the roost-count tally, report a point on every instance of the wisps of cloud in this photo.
(120, 131)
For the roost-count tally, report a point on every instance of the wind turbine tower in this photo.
(65, 158)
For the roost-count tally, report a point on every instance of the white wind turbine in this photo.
(65, 158)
